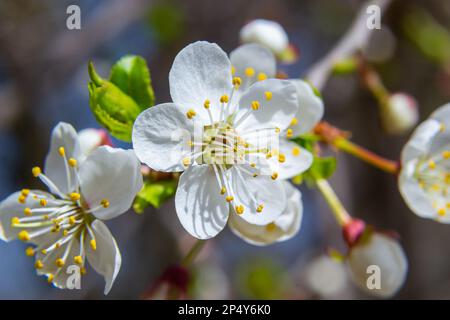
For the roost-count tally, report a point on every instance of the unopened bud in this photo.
(266, 33)
(400, 113)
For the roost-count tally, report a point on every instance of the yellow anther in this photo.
(229, 198)
(78, 260)
(56, 228)
(29, 251)
(442, 128)
(105, 203)
(191, 113)
(50, 278)
(46, 217)
(223, 190)
(65, 232)
(93, 244)
(14, 221)
(295, 151)
(237, 82)
(447, 178)
(83, 271)
(436, 187)
(249, 72)
(59, 263)
(44, 252)
(253, 165)
(43, 202)
(72, 220)
(23, 235)
(259, 208)
(224, 99)
(294, 121)
(277, 130)
(268, 155)
(446, 154)
(233, 70)
(206, 104)
(289, 133)
(271, 226)
(255, 175)
(262, 76)
(268, 95)
(441, 212)
(186, 161)
(448, 205)
(25, 192)
(73, 162)
(62, 151)
(22, 199)
(239, 209)
(58, 245)
(38, 264)
(36, 171)
(255, 105)
(281, 158)
(74, 196)
(274, 175)
(431, 164)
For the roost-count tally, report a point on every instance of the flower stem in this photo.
(193, 253)
(375, 160)
(333, 201)
(337, 138)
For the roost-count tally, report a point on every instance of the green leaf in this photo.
(131, 75)
(114, 108)
(154, 194)
(306, 141)
(322, 168)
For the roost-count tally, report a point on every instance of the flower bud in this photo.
(378, 264)
(269, 34)
(92, 138)
(400, 113)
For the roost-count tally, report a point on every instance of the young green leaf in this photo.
(154, 193)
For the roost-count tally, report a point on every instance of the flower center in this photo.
(433, 176)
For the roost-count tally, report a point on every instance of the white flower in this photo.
(222, 137)
(267, 33)
(425, 173)
(385, 254)
(253, 63)
(281, 229)
(399, 114)
(65, 225)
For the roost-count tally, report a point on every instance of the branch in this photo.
(355, 39)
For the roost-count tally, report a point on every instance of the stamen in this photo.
(262, 76)
(274, 175)
(60, 263)
(268, 95)
(74, 196)
(62, 151)
(105, 203)
(73, 162)
(38, 264)
(259, 208)
(289, 133)
(237, 82)
(191, 113)
(281, 158)
(30, 251)
(36, 171)
(24, 235)
(294, 121)
(271, 227)
(255, 105)
(78, 260)
(296, 151)
(249, 72)
(239, 209)
(224, 99)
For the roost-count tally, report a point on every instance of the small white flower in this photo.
(233, 121)
(399, 114)
(425, 176)
(281, 229)
(383, 252)
(65, 225)
(267, 33)
(253, 63)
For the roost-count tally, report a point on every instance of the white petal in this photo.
(201, 208)
(297, 160)
(199, 72)
(267, 33)
(251, 192)
(442, 140)
(10, 207)
(282, 229)
(106, 260)
(384, 253)
(254, 56)
(276, 112)
(110, 174)
(161, 136)
(63, 135)
(67, 252)
(421, 140)
(310, 110)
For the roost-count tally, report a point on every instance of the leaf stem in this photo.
(336, 206)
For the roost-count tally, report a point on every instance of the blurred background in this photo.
(43, 80)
